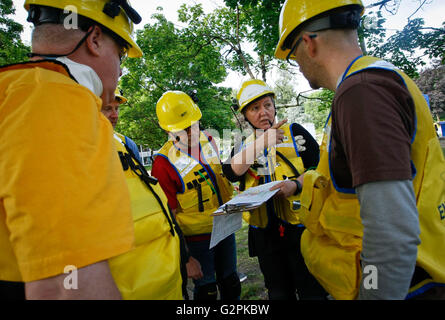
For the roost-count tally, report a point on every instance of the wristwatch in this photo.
(299, 187)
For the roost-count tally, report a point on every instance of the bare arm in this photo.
(94, 282)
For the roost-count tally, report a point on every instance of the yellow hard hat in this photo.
(119, 97)
(251, 90)
(119, 17)
(295, 12)
(176, 111)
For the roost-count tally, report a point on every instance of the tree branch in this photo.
(285, 106)
(263, 67)
(383, 3)
(421, 4)
(434, 29)
(238, 50)
(380, 3)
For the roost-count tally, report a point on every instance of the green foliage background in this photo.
(200, 55)
(173, 60)
(12, 49)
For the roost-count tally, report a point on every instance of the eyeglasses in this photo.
(291, 55)
(121, 43)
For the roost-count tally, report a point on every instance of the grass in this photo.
(252, 288)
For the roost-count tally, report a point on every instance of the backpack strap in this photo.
(142, 173)
(287, 161)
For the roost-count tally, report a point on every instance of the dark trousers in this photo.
(286, 274)
(218, 266)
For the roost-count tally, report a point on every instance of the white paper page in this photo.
(224, 226)
(252, 197)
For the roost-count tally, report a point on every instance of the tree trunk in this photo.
(362, 45)
(238, 50)
(240, 54)
(263, 68)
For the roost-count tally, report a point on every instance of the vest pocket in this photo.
(191, 220)
(257, 217)
(335, 267)
(313, 196)
(340, 219)
(292, 208)
(190, 199)
(209, 198)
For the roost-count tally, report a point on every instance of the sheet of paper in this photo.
(250, 199)
(224, 226)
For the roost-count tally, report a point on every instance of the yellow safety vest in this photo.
(332, 241)
(279, 157)
(151, 271)
(200, 195)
